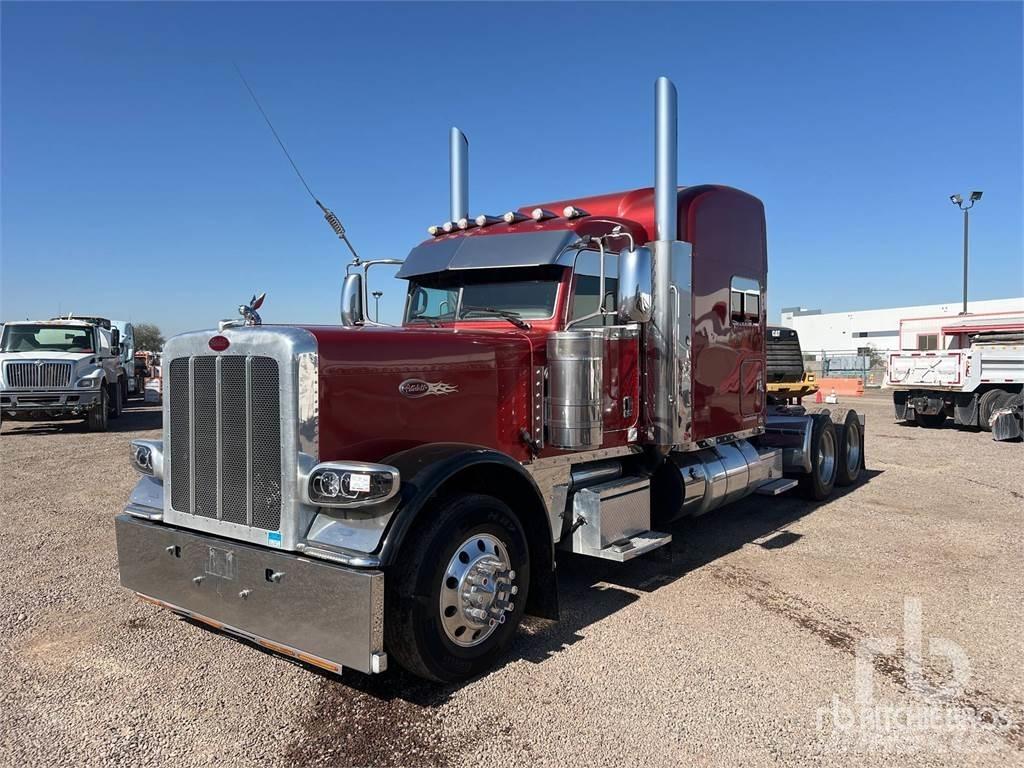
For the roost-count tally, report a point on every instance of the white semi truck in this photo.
(968, 368)
(62, 368)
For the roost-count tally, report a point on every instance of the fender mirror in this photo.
(352, 310)
(635, 287)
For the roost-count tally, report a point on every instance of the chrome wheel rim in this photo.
(476, 590)
(852, 448)
(826, 458)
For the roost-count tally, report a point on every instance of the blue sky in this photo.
(138, 180)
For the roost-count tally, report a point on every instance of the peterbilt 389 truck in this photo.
(574, 376)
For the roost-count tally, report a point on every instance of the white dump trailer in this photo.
(967, 368)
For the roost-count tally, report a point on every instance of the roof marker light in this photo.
(483, 220)
(448, 226)
(539, 214)
(465, 223)
(512, 217)
(433, 230)
(572, 212)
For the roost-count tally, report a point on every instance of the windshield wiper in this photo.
(507, 314)
(433, 323)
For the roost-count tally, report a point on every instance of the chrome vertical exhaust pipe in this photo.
(458, 157)
(666, 161)
(667, 333)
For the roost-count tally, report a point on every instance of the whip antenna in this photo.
(329, 215)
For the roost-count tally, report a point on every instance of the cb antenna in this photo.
(333, 220)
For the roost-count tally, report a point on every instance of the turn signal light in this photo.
(147, 457)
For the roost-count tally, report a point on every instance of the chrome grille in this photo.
(224, 438)
(38, 375)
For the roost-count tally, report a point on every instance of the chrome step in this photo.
(627, 549)
(775, 487)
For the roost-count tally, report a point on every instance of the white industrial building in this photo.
(878, 328)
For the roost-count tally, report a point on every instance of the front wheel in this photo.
(457, 595)
(96, 420)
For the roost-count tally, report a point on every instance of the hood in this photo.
(384, 390)
(49, 357)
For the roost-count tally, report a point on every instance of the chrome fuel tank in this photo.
(574, 404)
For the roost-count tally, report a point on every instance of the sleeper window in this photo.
(745, 300)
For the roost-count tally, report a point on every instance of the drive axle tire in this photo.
(850, 438)
(96, 420)
(986, 405)
(457, 593)
(116, 400)
(931, 420)
(819, 482)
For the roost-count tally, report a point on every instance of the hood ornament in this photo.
(248, 311)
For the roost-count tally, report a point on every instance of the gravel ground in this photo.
(739, 645)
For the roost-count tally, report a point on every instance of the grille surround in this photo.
(238, 425)
(43, 374)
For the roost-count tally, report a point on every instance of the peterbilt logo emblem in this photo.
(420, 388)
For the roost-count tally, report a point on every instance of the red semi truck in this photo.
(574, 375)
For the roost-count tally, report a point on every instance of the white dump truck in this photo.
(967, 368)
(62, 368)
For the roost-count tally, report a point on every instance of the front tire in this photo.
(458, 592)
(96, 420)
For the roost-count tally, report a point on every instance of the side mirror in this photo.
(352, 310)
(635, 288)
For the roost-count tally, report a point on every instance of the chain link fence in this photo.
(867, 364)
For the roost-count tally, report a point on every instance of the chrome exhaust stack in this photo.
(666, 161)
(668, 333)
(458, 159)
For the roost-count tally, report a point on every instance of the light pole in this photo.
(376, 305)
(966, 207)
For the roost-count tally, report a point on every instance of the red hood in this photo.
(383, 390)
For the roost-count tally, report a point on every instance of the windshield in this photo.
(526, 294)
(47, 338)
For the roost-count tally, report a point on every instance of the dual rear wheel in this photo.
(837, 453)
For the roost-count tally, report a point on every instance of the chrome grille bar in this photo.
(224, 438)
(48, 375)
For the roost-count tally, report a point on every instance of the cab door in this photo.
(621, 366)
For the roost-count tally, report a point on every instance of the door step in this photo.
(634, 546)
(775, 487)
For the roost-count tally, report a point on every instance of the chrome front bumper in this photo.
(318, 612)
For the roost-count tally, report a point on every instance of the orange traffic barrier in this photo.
(843, 387)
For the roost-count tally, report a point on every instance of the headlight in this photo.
(148, 457)
(350, 484)
(89, 381)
